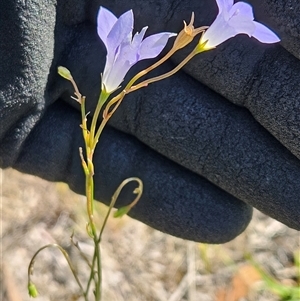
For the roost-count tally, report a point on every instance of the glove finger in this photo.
(200, 130)
(262, 79)
(174, 200)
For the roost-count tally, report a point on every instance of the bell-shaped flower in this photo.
(234, 19)
(123, 51)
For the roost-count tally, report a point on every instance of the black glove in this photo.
(205, 155)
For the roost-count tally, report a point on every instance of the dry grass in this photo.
(139, 263)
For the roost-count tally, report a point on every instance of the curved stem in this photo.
(65, 254)
(115, 197)
(76, 245)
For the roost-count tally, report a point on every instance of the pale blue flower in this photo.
(234, 19)
(123, 51)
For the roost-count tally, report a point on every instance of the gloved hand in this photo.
(209, 143)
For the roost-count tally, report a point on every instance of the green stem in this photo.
(92, 230)
(92, 273)
(85, 131)
(89, 183)
(97, 254)
(89, 138)
(102, 99)
(99, 270)
(106, 116)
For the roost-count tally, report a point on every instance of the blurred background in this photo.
(139, 263)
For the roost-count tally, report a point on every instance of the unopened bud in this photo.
(32, 291)
(64, 72)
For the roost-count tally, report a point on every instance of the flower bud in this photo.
(32, 291)
(64, 72)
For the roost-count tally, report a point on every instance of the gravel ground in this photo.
(139, 263)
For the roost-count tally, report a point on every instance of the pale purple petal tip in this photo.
(121, 31)
(224, 5)
(264, 34)
(105, 22)
(242, 9)
(138, 37)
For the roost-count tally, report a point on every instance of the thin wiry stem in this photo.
(116, 195)
(65, 254)
(165, 75)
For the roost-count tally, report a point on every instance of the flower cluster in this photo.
(124, 51)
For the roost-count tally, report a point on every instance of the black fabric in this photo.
(220, 137)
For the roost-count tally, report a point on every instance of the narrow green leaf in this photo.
(122, 211)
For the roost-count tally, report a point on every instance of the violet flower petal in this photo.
(121, 31)
(224, 5)
(264, 34)
(241, 24)
(137, 39)
(105, 21)
(242, 9)
(153, 45)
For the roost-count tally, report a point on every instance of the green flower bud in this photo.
(122, 211)
(32, 291)
(64, 72)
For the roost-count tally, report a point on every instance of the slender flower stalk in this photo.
(185, 36)
(234, 19)
(168, 74)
